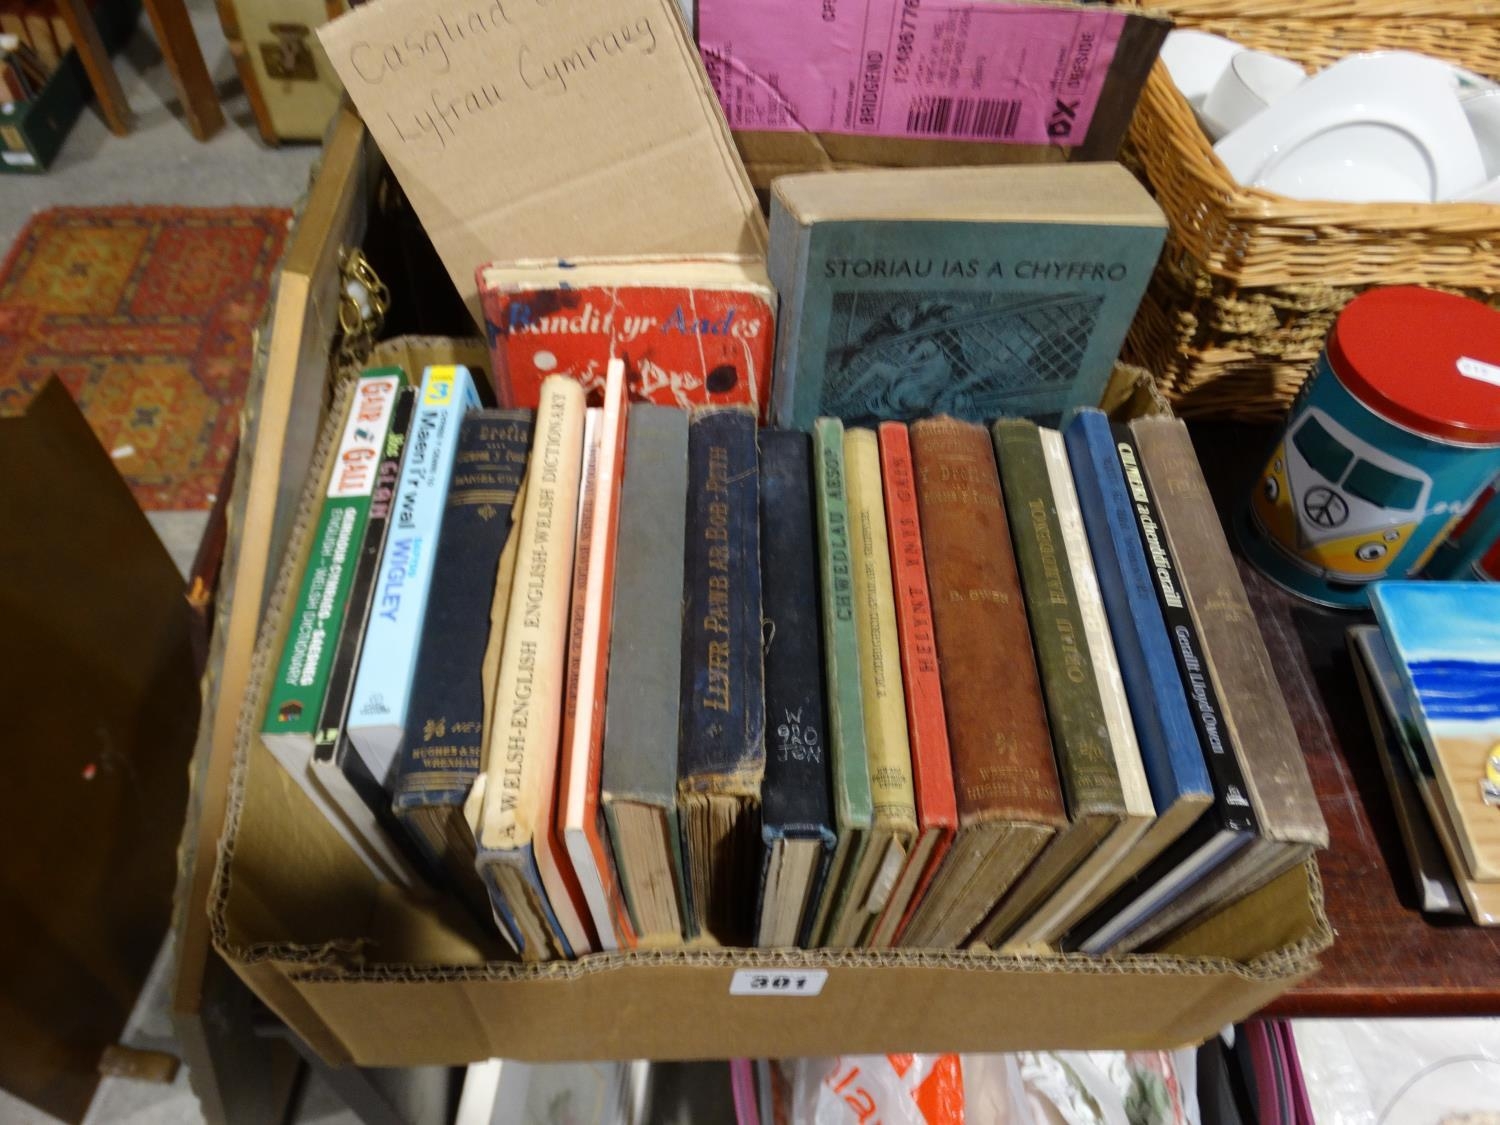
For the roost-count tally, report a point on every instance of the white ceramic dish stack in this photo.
(1386, 126)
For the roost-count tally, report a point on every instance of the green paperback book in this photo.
(322, 600)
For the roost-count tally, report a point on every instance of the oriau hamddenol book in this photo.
(973, 292)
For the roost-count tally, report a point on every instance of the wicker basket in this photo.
(1250, 282)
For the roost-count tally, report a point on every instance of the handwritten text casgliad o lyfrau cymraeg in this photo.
(519, 69)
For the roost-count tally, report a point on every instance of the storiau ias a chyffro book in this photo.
(973, 292)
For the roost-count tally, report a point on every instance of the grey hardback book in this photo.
(639, 769)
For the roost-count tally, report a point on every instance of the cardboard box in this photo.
(1058, 82)
(374, 976)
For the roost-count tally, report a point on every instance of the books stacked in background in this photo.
(36, 31)
(1430, 677)
(22, 71)
(632, 675)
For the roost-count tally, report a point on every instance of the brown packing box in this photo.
(770, 154)
(369, 976)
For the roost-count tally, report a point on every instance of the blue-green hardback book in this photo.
(975, 292)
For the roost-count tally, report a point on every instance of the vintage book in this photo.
(1090, 780)
(336, 767)
(638, 780)
(1445, 640)
(721, 752)
(1257, 726)
(1049, 920)
(975, 292)
(301, 684)
(1397, 727)
(1180, 787)
(560, 882)
(1010, 802)
(692, 331)
(841, 672)
(1206, 863)
(510, 800)
(1379, 686)
(444, 746)
(538, 130)
(382, 689)
(893, 802)
(797, 829)
(926, 720)
(580, 826)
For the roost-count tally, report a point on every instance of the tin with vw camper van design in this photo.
(1394, 435)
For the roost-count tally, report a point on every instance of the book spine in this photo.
(522, 752)
(894, 805)
(1003, 767)
(346, 661)
(846, 720)
(1231, 796)
(581, 825)
(443, 746)
(797, 769)
(1255, 709)
(786, 262)
(1080, 735)
(721, 748)
(644, 690)
(1164, 729)
(301, 684)
(383, 686)
(926, 718)
(795, 798)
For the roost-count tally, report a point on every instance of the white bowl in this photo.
(1483, 113)
(1195, 60)
(1253, 81)
(1404, 105)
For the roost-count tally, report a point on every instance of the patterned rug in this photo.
(146, 315)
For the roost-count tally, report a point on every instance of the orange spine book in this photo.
(580, 829)
(927, 722)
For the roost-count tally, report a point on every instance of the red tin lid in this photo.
(1427, 361)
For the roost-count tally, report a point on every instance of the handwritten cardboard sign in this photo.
(546, 128)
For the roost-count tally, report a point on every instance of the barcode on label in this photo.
(993, 118)
(778, 982)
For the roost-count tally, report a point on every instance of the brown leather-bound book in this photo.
(1005, 777)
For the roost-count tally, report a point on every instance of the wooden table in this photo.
(1388, 958)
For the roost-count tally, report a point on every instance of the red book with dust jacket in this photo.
(692, 331)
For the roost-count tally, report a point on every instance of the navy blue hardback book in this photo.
(721, 749)
(1177, 674)
(441, 752)
(796, 815)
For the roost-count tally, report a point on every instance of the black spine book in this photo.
(1229, 826)
(442, 750)
(337, 767)
(721, 748)
(796, 813)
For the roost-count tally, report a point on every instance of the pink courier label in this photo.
(1023, 74)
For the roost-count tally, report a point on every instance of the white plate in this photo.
(1361, 121)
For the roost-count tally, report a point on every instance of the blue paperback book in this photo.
(388, 661)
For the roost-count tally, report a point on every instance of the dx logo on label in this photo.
(1060, 120)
